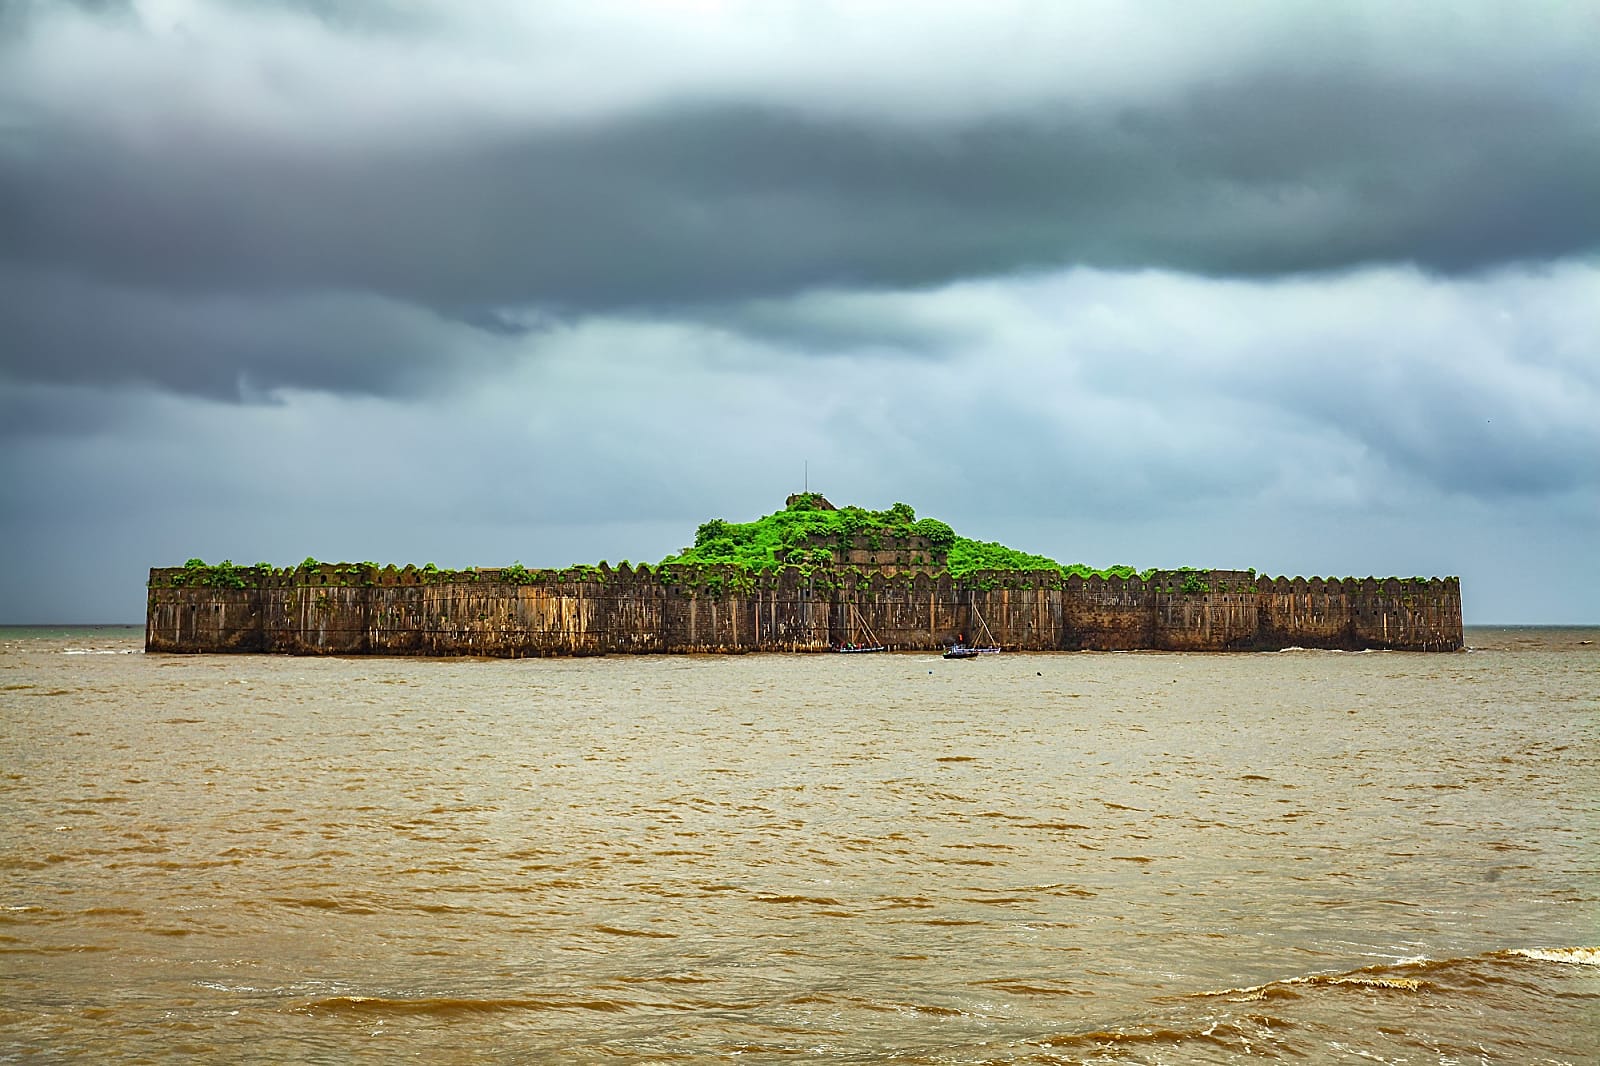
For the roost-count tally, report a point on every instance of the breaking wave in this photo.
(1571, 956)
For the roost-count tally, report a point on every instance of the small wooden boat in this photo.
(963, 650)
(855, 646)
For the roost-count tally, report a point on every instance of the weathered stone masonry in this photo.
(350, 610)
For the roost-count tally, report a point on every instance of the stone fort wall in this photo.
(359, 610)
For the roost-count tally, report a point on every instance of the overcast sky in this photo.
(1312, 288)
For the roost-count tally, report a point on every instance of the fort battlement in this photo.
(898, 591)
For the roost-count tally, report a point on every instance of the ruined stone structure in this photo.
(897, 587)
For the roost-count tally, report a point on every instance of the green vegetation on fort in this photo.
(810, 533)
(197, 573)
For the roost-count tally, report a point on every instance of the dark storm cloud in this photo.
(63, 329)
(723, 202)
(218, 184)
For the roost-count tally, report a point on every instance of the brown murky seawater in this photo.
(1026, 858)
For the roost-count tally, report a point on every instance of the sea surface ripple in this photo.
(1067, 858)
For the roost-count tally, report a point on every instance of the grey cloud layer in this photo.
(1483, 386)
(282, 168)
(1272, 175)
(62, 328)
(1147, 398)
(1376, 423)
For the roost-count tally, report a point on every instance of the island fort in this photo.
(809, 578)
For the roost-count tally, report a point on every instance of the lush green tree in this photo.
(716, 529)
(939, 535)
(800, 535)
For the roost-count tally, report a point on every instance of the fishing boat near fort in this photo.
(984, 645)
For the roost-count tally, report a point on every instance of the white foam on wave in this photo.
(1572, 956)
(1409, 960)
(1366, 978)
(101, 651)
